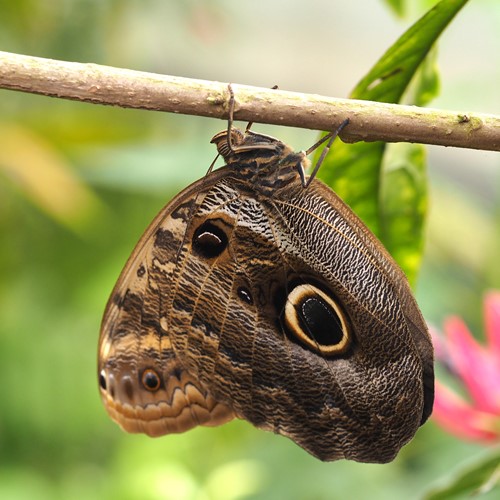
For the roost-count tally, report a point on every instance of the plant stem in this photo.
(369, 121)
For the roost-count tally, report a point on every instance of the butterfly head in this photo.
(237, 145)
(269, 163)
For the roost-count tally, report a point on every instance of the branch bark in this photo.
(369, 121)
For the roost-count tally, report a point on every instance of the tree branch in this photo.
(369, 121)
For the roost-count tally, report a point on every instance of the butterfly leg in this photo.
(230, 119)
(330, 137)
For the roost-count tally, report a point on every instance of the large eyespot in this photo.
(209, 240)
(316, 320)
(150, 380)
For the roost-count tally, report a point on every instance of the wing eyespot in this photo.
(209, 240)
(244, 295)
(150, 380)
(316, 320)
(102, 380)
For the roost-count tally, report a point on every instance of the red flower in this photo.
(478, 369)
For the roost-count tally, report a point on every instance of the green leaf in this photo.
(355, 172)
(426, 84)
(403, 184)
(397, 6)
(388, 79)
(403, 204)
(479, 480)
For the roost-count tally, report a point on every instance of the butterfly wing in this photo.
(303, 323)
(283, 310)
(143, 385)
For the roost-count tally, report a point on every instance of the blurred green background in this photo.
(79, 183)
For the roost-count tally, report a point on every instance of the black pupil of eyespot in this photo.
(151, 380)
(209, 240)
(102, 381)
(245, 295)
(320, 322)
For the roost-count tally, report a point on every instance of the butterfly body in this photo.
(254, 297)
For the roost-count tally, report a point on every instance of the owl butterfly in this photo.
(257, 293)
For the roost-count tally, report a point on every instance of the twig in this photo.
(369, 121)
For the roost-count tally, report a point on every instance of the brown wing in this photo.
(302, 323)
(143, 385)
(283, 310)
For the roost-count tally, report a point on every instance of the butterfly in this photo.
(257, 293)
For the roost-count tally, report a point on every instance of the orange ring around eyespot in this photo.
(146, 373)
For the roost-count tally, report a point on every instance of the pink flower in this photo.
(478, 370)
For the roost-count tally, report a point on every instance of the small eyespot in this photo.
(150, 380)
(177, 372)
(209, 240)
(316, 320)
(245, 295)
(141, 271)
(102, 380)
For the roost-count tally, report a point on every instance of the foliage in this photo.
(392, 198)
(478, 479)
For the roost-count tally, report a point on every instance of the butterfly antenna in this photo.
(330, 137)
(211, 167)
